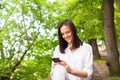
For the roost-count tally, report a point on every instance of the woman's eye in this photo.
(62, 34)
(67, 32)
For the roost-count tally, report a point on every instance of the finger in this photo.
(62, 63)
(55, 65)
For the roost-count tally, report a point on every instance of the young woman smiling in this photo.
(76, 57)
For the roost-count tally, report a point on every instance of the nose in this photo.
(65, 35)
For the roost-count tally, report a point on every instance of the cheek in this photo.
(70, 35)
(63, 36)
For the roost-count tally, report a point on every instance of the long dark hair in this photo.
(76, 42)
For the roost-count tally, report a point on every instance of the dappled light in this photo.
(28, 36)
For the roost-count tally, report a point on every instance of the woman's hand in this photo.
(55, 64)
(79, 73)
(64, 64)
(67, 67)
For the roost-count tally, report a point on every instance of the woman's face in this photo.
(66, 33)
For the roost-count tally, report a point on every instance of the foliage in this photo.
(117, 20)
(34, 69)
(28, 32)
(22, 41)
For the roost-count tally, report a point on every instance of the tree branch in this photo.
(18, 63)
(24, 23)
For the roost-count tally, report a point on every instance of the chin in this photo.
(69, 41)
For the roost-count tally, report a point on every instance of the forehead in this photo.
(65, 28)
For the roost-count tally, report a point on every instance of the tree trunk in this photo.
(112, 51)
(93, 43)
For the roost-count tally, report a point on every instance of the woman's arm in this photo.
(87, 71)
(79, 73)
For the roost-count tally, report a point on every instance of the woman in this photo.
(76, 57)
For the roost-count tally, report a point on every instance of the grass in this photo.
(99, 61)
(106, 72)
(115, 78)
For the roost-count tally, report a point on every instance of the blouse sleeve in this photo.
(88, 62)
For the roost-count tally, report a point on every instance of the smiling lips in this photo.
(67, 39)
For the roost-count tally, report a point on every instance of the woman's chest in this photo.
(74, 59)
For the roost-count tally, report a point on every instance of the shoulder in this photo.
(87, 49)
(86, 45)
(56, 51)
(57, 48)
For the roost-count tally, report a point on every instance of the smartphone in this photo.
(56, 59)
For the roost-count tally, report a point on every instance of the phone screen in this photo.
(56, 59)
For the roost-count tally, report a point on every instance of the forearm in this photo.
(79, 73)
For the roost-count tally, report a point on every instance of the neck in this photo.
(70, 44)
(71, 47)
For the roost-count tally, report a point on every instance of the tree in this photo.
(110, 40)
(87, 18)
(22, 44)
(93, 43)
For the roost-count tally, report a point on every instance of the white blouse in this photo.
(79, 59)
